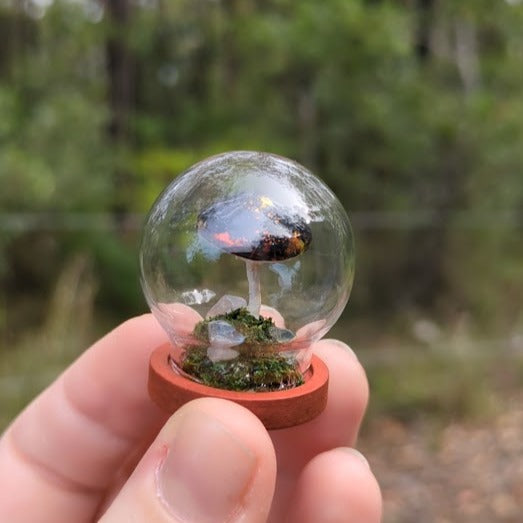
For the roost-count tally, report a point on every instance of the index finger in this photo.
(61, 454)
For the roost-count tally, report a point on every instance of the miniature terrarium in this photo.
(246, 260)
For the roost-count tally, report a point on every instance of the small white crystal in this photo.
(226, 304)
(221, 354)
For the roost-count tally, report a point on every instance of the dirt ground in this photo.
(460, 472)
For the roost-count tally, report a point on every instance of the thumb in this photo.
(212, 462)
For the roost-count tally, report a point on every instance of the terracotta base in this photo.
(169, 390)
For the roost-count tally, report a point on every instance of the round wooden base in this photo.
(279, 409)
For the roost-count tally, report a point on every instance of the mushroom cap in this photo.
(254, 227)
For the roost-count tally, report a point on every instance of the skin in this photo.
(94, 447)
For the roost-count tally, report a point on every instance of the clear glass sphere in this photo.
(246, 259)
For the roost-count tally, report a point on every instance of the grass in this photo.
(40, 353)
(442, 387)
(458, 378)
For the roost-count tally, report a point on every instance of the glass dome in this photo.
(246, 259)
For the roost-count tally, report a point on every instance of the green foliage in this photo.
(413, 116)
(156, 168)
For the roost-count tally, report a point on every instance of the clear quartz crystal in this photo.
(226, 304)
(223, 334)
(222, 338)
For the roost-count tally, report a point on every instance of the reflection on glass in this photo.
(246, 259)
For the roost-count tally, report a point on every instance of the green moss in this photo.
(266, 373)
(259, 365)
(257, 330)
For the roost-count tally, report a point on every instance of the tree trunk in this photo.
(119, 65)
(119, 69)
(467, 54)
(425, 9)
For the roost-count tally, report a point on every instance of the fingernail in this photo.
(358, 454)
(344, 346)
(207, 471)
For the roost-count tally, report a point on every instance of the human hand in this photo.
(93, 446)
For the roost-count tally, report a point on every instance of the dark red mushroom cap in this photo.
(255, 228)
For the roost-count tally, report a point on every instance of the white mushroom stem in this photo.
(253, 277)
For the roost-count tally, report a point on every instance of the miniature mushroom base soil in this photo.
(259, 365)
(276, 410)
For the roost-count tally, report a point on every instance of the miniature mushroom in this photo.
(254, 228)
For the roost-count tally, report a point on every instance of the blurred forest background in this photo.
(412, 112)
